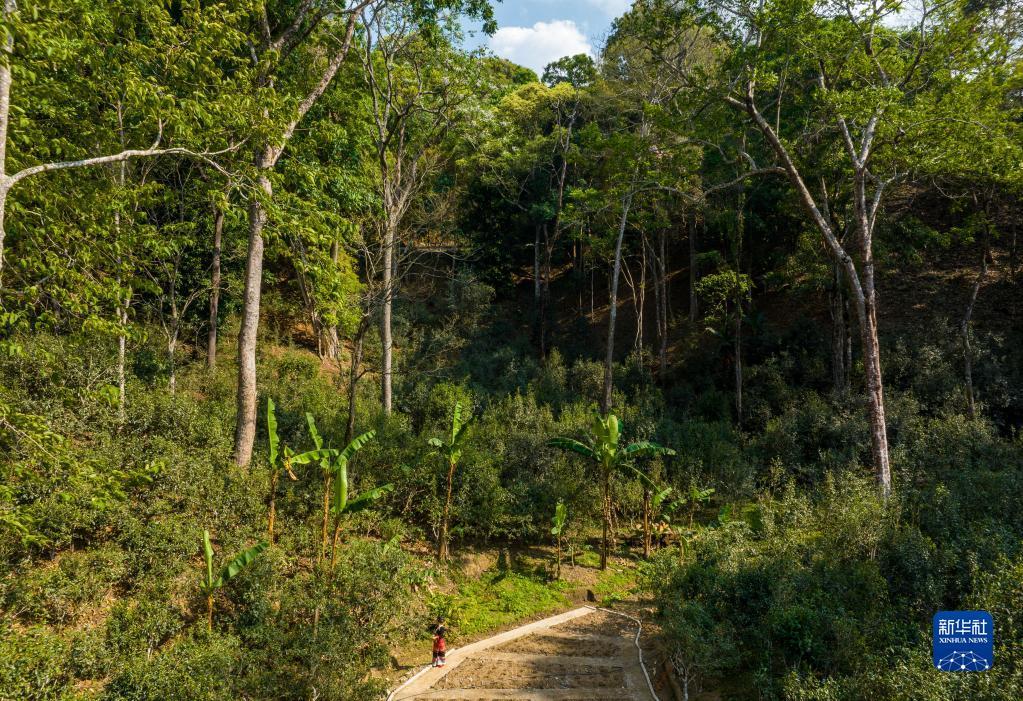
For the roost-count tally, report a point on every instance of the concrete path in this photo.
(581, 655)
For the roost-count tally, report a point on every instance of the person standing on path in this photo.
(440, 644)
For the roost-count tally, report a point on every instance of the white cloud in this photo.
(544, 42)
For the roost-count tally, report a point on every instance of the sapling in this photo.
(287, 458)
(558, 531)
(604, 451)
(451, 450)
(342, 505)
(232, 569)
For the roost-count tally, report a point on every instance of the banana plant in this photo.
(558, 531)
(451, 451)
(653, 496)
(687, 504)
(696, 497)
(283, 460)
(210, 584)
(326, 472)
(342, 504)
(603, 450)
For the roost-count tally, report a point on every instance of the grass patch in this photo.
(616, 584)
(495, 599)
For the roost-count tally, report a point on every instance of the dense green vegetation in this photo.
(305, 310)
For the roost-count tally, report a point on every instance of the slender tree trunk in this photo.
(964, 330)
(657, 299)
(211, 341)
(209, 612)
(272, 518)
(694, 272)
(838, 331)
(861, 284)
(326, 520)
(172, 347)
(245, 427)
(545, 290)
(557, 570)
(612, 312)
(354, 373)
(739, 298)
(536, 270)
(442, 545)
(646, 523)
(9, 8)
(331, 340)
(386, 340)
(334, 541)
(661, 264)
(122, 396)
(641, 300)
(605, 544)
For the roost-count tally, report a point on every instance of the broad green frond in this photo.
(356, 445)
(574, 446)
(240, 562)
(271, 429)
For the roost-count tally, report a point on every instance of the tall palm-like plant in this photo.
(283, 460)
(603, 450)
(229, 571)
(451, 451)
(343, 504)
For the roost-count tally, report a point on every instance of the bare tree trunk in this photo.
(386, 339)
(641, 301)
(545, 290)
(655, 274)
(739, 298)
(245, 428)
(838, 331)
(354, 373)
(172, 347)
(331, 340)
(861, 286)
(9, 8)
(964, 330)
(662, 269)
(612, 312)
(871, 344)
(694, 302)
(211, 341)
(122, 397)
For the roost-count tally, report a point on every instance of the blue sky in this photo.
(535, 32)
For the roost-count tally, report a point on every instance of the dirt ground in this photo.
(491, 674)
(600, 623)
(541, 644)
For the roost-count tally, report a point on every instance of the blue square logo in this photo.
(964, 641)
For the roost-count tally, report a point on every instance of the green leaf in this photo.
(356, 445)
(647, 448)
(312, 455)
(317, 440)
(366, 499)
(241, 561)
(574, 446)
(271, 429)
